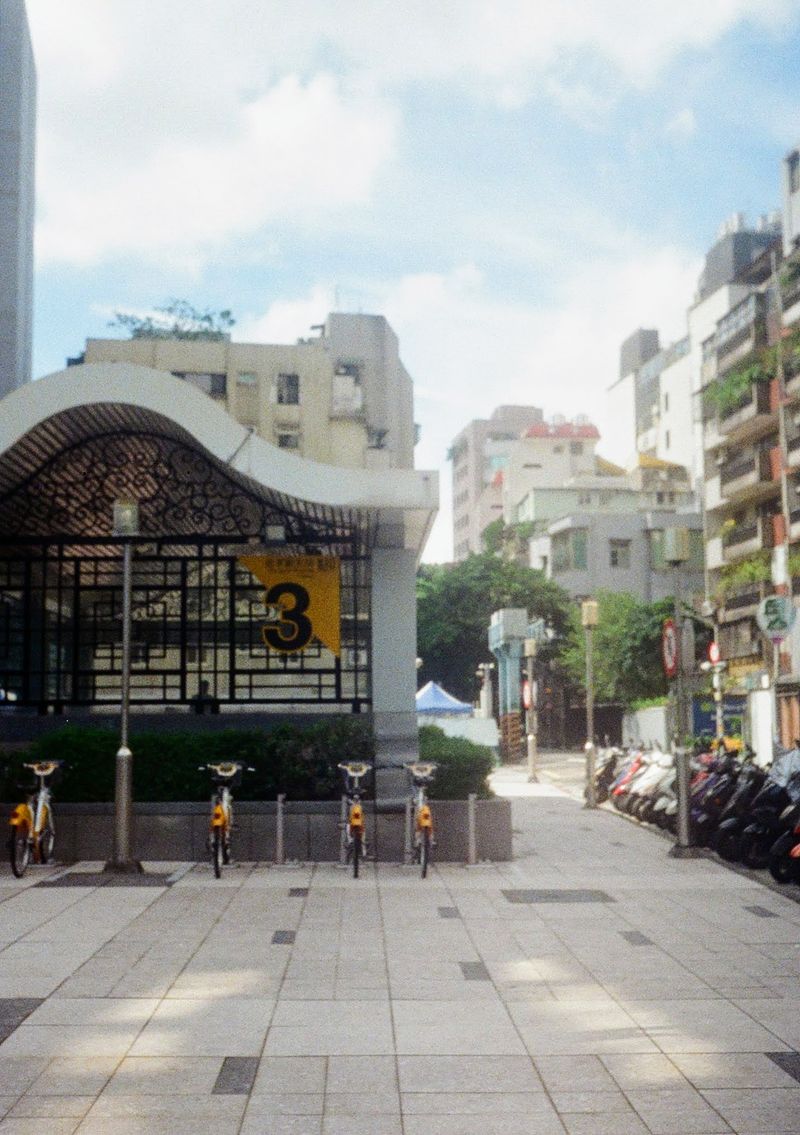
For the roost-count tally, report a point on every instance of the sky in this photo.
(517, 186)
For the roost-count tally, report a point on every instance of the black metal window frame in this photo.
(197, 616)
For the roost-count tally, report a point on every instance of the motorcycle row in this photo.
(745, 812)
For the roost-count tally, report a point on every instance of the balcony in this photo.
(742, 331)
(790, 285)
(745, 539)
(743, 602)
(747, 475)
(749, 415)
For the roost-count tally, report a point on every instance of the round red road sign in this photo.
(527, 699)
(669, 648)
(713, 652)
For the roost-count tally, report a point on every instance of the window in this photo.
(213, 384)
(666, 403)
(584, 498)
(619, 553)
(576, 448)
(666, 439)
(287, 390)
(569, 550)
(288, 440)
(696, 550)
(247, 378)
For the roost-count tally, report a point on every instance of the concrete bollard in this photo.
(591, 771)
(280, 855)
(343, 829)
(472, 846)
(407, 847)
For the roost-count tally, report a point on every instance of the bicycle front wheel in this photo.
(216, 852)
(357, 848)
(425, 851)
(46, 843)
(20, 851)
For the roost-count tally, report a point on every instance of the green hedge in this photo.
(301, 762)
(463, 765)
(298, 761)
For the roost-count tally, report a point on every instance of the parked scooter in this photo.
(781, 788)
(709, 798)
(734, 816)
(784, 855)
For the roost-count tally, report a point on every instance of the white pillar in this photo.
(394, 669)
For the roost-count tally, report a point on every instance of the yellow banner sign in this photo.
(302, 598)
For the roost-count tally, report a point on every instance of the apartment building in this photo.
(590, 551)
(341, 397)
(479, 454)
(17, 145)
(750, 407)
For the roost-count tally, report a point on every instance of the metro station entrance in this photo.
(200, 617)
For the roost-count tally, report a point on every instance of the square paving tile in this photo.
(330, 1028)
(455, 1028)
(490, 1074)
(233, 1027)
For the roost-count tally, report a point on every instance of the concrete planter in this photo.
(311, 831)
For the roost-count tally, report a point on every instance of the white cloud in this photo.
(169, 129)
(682, 125)
(301, 151)
(286, 321)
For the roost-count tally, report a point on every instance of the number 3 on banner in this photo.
(293, 630)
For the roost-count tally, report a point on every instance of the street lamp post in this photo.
(126, 526)
(676, 554)
(589, 620)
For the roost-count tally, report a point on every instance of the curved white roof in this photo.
(91, 396)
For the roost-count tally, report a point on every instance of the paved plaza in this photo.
(593, 986)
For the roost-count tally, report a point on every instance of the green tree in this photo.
(626, 648)
(177, 319)
(454, 606)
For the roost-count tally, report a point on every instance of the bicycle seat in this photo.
(421, 770)
(225, 769)
(44, 768)
(356, 769)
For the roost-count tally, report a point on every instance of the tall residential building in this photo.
(342, 397)
(479, 454)
(17, 146)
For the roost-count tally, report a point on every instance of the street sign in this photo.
(713, 652)
(775, 616)
(669, 648)
(301, 601)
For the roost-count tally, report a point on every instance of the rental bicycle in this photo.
(225, 775)
(33, 832)
(354, 833)
(422, 773)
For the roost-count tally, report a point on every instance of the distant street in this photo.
(560, 770)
